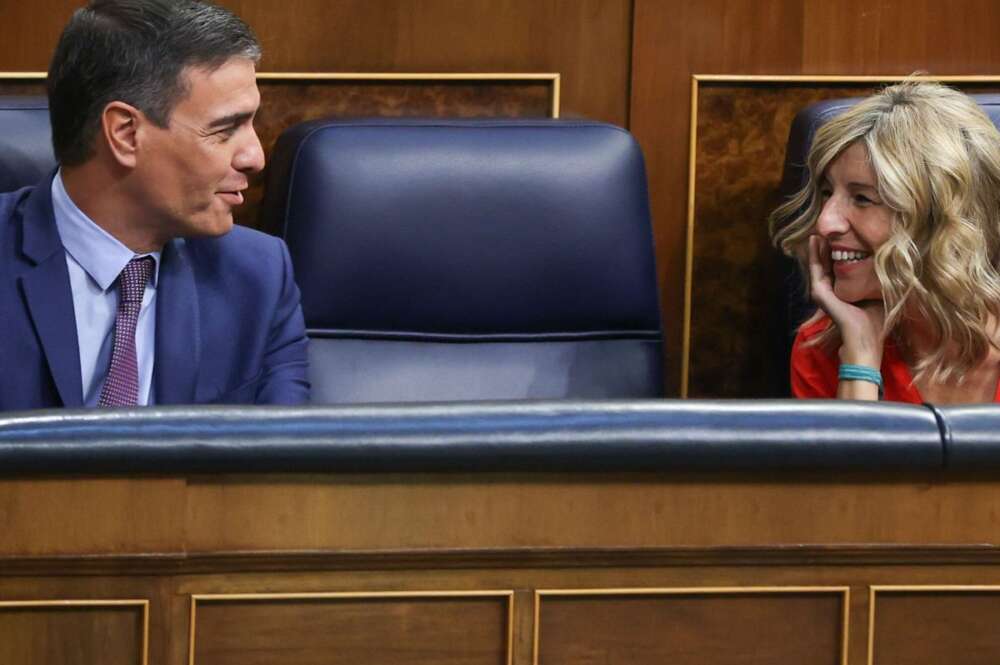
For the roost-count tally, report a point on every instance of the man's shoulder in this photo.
(240, 245)
(10, 201)
(243, 254)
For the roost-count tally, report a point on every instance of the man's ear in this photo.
(120, 123)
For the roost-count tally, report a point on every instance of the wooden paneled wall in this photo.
(628, 62)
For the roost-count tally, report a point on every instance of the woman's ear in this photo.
(120, 130)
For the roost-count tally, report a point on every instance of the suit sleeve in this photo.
(285, 377)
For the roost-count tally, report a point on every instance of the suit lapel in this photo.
(47, 291)
(178, 333)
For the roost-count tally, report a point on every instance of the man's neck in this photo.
(102, 197)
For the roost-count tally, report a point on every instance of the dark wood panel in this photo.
(723, 629)
(70, 635)
(357, 630)
(937, 628)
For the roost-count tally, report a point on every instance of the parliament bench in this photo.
(502, 532)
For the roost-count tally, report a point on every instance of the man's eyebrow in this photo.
(231, 119)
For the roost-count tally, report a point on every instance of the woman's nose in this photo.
(832, 220)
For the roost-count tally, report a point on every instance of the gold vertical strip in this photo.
(871, 625)
(555, 95)
(689, 244)
(194, 600)
(846, 632)
(145, 632)
(510, 629)
(534, 648)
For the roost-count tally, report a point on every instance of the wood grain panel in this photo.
(588, 41)
(695, 628)
(91, 515)
(426, 511)
(936, 627)
(71, 634)
(315, 631)
(674, 40)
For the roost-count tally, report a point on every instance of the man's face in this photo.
(193, 172)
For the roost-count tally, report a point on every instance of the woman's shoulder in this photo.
(813, 326)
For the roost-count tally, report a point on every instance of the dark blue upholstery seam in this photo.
(944, 430)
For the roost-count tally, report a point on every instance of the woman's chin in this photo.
(854, 296)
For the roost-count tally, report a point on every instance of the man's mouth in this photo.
(234, 197)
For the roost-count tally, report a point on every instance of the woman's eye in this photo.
(825, 193)
(861, 199)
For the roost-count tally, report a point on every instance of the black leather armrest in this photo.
(654, 435)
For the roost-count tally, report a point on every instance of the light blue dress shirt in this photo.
(95, 258)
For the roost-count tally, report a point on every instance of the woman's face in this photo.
(855, 222)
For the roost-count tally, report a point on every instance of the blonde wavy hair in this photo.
(936, 158)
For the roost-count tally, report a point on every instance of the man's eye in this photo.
(225, 134)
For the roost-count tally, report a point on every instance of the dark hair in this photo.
(134, 51)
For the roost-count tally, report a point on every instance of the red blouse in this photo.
(814, 369)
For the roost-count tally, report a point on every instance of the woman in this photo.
(898, 232)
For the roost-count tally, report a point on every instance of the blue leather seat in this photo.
(470, 259)
(25, 142)
(792, 305)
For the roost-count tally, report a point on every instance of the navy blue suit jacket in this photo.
(229, 326)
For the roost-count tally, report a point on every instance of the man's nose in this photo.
(250, 157)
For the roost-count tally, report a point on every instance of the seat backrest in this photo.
(25, 142)
(460, 259)
(794, 307)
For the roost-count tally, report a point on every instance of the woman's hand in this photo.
(861, 325)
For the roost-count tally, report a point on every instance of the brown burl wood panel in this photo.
(71, 635)
(389, 631)
(742, 132)
(722, 629)
(937, 628)
(742, 135)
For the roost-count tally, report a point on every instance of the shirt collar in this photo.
(100, 254)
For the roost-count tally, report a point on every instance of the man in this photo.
(122, 278)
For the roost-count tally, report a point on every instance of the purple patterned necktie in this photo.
(121, 386)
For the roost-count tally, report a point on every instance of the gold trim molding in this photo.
(696, 81)
(554, 79)
(843, 591)
(352, 595)
(70, 603)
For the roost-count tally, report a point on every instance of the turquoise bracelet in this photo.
(861, 373)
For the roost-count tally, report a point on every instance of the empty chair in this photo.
(470, 259)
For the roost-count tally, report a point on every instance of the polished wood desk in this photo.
(706, 567)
